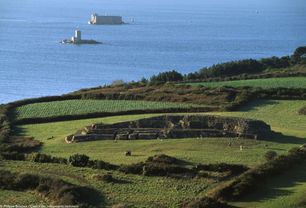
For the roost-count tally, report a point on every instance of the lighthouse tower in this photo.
(77, 36)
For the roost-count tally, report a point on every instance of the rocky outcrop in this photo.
(174, 126)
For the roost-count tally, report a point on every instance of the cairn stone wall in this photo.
(171, 126)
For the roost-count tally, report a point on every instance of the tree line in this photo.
(233, 68)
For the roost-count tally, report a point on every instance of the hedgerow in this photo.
(245, 183)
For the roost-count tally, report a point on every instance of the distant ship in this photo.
(77, 39)
(105, 20)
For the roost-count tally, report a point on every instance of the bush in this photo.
(43, 158)
(78, 160)
(162, 159)
(13, 156)
(99, 164)
(22, 144)
(222, 167)
(270, 155)
(136, 168)
(27, 181)
(7, 180)
(302, 111)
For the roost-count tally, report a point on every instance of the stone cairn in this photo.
(174, 126)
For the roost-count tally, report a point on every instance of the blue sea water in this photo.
(165, 34)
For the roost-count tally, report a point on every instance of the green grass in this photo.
(141, 191)
(283, 115)
(8, 197)
(285, 191)
(285, 119)
(80, 107)
(287, 82)
(208, 150)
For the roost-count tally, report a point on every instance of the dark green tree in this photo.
(169, 76)
(299, 55)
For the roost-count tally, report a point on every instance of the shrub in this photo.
(27, 181)
(99, 164)
(270, 155)
(43, 158)
(13, 156)
(222, 167)
(302, 111)
(162, 159)
(22, 144)
(7, 180)
(136, 168)
(78, 160)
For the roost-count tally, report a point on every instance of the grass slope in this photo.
(287, 82)
(8, 197)
(282, 115)
(138, 190)
(208, 150)
(165, 192)
(79, 107)
(286, 191)
(285, 119)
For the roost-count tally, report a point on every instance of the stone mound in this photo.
(174, 126)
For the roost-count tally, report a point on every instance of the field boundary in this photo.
(246, 77)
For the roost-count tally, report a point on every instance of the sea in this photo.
(159, 35)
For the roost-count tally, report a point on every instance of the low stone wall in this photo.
(169, 126)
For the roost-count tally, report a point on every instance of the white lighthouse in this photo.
(77, 39)
(77, 36)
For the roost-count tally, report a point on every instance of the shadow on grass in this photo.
(285, 139)
(19, 131)
(137, 155)
(13, 115)
(255, 104)
(121, 181)
(278, 186)
(90, 196)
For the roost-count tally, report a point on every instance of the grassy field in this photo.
(195, 150)
(285, 191)
(164, 192)
(79, 107)
(138, 190)
(283, 115)
(8, 197)
(288, 82)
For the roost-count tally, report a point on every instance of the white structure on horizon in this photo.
(105, 20)
(77, 36)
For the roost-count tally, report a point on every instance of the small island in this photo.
(77, 39)
(105, 20)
